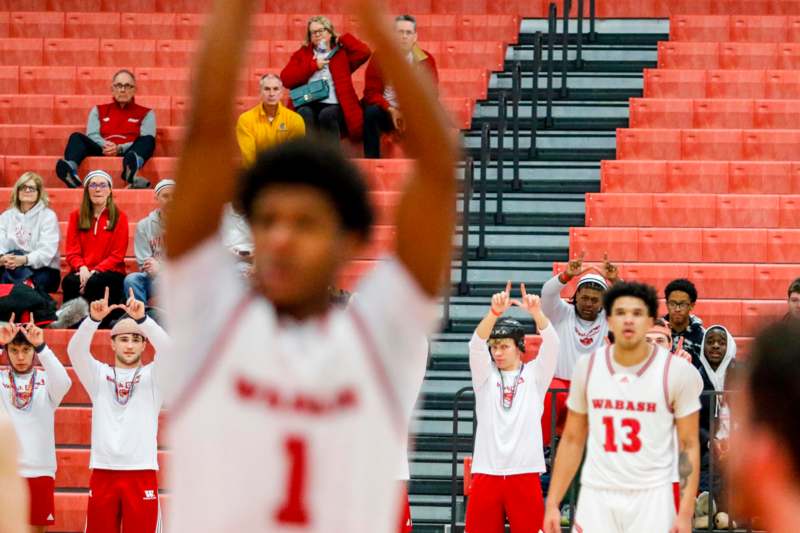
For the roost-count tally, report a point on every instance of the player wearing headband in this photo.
(31, 395)
(509, 394)
(126, 399)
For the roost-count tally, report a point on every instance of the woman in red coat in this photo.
(340, 114)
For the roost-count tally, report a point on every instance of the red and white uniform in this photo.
(287, 426)
(508, 454)
(124, 455)
(627, 476)
(38, 393)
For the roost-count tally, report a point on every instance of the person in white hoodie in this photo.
(29, 237)
(148, 245)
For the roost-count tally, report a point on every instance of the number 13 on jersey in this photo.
(622, 433)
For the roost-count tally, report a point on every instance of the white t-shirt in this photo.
(509, 441)
(34, 424)
(125, 401)
(631, 414)
(578, 337)
(284, 426)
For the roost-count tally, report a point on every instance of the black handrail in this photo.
(502, 125)
(537, 68)
(579, 44)
(454, 478)
(563, 91)
(551, 44)
(516, 89)
(469, 179)
(486, 146)
(592, 17)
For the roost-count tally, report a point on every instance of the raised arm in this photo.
(480, 362)
(205, 172)
(79, 347)
(58, 382)
(14, 502)
(545, 364)
(426, 214)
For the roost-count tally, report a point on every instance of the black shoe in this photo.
(67, 174)
(131, 164)
(139, 183)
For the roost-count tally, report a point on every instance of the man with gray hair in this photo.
(118, 128)
(268, 123)
(381, 110)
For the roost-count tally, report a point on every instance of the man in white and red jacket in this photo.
(119, 128)
(381, 109)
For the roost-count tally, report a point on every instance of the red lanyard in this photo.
(125, 394)
(21, 399)
(507, 404)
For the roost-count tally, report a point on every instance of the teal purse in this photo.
(312, 92)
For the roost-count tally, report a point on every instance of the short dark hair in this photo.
(793, 287)
(20, 338)
(684, 285)
(316, 163)
(642, 291)
(406, 18)
(771, 377)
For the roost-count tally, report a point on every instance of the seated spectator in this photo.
(268, 123)
(29, 237)
(97, 239)
(238, 238)
(793, 298)
(381, 109)
(661, 335)
(326, 56)
(148, 245)
(687, 329)
(119, 128)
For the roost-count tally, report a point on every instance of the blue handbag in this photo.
(314, 91)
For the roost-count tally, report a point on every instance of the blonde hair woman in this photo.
(29, 236)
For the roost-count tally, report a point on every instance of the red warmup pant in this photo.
(561, 410)
(405, 512)
(126, 499)
(492, 499)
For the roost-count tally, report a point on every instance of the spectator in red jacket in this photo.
(381, 113)
(119, 128)
(97, 239)
(340, 113)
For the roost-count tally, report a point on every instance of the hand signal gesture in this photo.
(575, 267)
(99, 309)
(134, 307)
(610, 271)
(501, 301)
(529, 302)
(8, 330)
(33, 333)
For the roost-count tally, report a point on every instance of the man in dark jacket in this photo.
(381, 111)
(687, 329)
(119, 128)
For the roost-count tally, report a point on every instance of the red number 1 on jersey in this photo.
(294, 510)
(632, 443)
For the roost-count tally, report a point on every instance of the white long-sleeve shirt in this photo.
(124, 437)
(35, 424)
(578, 337)
(509, 441)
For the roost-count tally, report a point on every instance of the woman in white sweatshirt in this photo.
(29, 236)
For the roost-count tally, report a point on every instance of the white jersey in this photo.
(509, 441)
(404, 472)
(38, 394)
(288, 426)
(125, 402)
(631, 414)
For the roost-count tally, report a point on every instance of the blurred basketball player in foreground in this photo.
(288, 415)
(763, 466)
(14, 500)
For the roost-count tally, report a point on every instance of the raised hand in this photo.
(575, 267)
(501, 301)
(8, 330)
(134, 307)
(610, 271)
(529, 302)
(33, 333)
(99, 309)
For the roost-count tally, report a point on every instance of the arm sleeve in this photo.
(58, 382)
(480, 361)
(553, 306)
(396, 314)
(297, 126)
(357, 51)
(93, 127)
(119, 246)
(576, 401)
(161, 345)
(74, 254)
(4, 244)
(86, 366)
(300, 68)
(148, 126)
(47, 242)
(545, 363)
(246, 140)
(374, 86)
(685, 387)
(141, 244)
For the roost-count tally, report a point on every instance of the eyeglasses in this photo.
(678, 306)
(123, 86)
(98, 186)
(318, 32)
(29, 188)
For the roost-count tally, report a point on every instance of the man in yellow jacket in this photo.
(267, 124)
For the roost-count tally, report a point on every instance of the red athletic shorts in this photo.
(405, 513)
(42, 498)
(124, 500)
(492, 499)
(561, 410)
